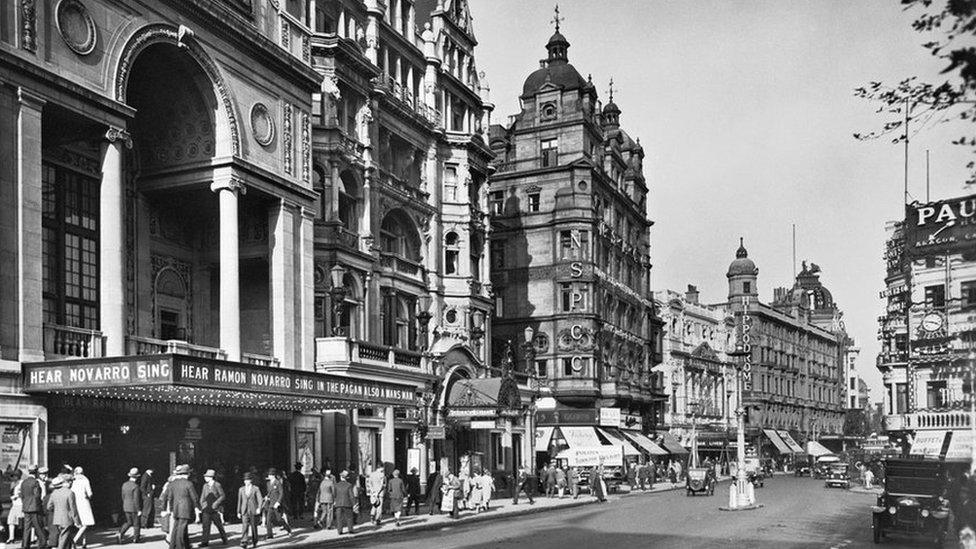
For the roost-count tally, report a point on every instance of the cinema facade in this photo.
(157, 275)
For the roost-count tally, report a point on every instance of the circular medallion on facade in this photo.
(451, 316)
(262, 124)
(76, 26)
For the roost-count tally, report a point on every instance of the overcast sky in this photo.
(746, 113)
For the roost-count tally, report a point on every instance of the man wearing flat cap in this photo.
(249, 503)
(131, 506)
(180, 497)
(211, 507)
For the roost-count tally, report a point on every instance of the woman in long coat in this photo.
(83, 493)
(596, 484)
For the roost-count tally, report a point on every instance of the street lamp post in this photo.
(423, 317)
(743, 498)
(972, 411)
(338, 294)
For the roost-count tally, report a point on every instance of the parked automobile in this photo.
(802, 469)
(912, 501)
(700, 481)
(838, 474)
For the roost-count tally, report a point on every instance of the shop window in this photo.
(550, 152)
(935, 295)
(69, 247)
(498, 450)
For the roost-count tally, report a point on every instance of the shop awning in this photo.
(781, 446)
(645, 443)
(617, 439)
(183, 379)
(542, 437)
(484, 396)
(794, 447)
(671, 445)
(960, 446)
(580, 437)
(928, 443)
(591, 456)
(816, 449)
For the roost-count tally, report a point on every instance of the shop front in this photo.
(157, 411)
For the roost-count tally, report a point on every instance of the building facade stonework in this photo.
(569, 248)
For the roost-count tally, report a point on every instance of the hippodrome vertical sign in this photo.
(745, 340)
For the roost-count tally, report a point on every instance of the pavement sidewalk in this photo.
(306, 536)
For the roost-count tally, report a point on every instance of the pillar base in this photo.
(752, 507)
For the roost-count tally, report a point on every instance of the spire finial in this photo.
(556, 19)
(611, 89)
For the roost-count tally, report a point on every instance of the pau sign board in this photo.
(943, 227)
(610, 417)
(591, 456)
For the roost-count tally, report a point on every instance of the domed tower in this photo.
(742, 275)
(556, 69)
(611, 113)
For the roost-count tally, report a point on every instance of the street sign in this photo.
(435, 432)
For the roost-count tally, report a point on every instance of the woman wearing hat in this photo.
(16, 513)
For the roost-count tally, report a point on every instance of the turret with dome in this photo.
(556, 69)
(743, 274)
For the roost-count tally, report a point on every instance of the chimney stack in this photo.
(691, 296)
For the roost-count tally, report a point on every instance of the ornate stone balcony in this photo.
(343, 350)
(928, 420)
(67, 342)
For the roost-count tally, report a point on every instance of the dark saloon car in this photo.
(912, 501)
(838, 475)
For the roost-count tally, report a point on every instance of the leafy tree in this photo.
(919, 104)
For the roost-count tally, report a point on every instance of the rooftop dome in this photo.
(742, 265)
(557, 69)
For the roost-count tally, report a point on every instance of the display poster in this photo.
(15, 446)
(305, 449)
(413, 459)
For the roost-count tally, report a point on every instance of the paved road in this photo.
(798, 512)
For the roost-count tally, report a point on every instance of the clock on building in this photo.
(932, 322)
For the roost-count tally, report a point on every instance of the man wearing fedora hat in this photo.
(211, 507)
(275, 504)
(131, 506)
(180, 497)
(249, 503)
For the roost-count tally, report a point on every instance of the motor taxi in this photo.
(699, 481)
(912, 501)
(838, 474)
(754, 472)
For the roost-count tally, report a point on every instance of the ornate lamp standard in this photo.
(338, 293)
(477, 330)
(742, 497)
(528, 349)
(423, 318)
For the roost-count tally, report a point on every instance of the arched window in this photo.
(398, 236)
(451, 253)
(349, 317)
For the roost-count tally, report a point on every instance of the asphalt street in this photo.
(797, 512)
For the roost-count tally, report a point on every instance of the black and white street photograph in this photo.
(488, 274)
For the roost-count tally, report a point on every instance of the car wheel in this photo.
(878, 530)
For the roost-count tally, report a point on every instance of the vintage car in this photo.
(754, 472)
(823, 463)
(838, 475)
(802, 469)
(912, 501)
(699, 481)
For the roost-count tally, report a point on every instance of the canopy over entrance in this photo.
(182, 379)
(484, 397)
(671, 444)
(816, 449)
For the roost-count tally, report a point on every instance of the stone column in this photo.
(228, 188)
(281, 225)
(336, 183)
(21, 276)
(373, 15)
(306, 257)
(387, 452)
(111, 242)
(311, 16)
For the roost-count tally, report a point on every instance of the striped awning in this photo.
(672, 446)
(645, 443)
(781, 446)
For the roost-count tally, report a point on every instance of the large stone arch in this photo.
(168, 34)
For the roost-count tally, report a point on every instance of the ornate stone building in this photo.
(401, 162)
(796, 383)
(157, 210)
(698, 374)
(570, 256)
